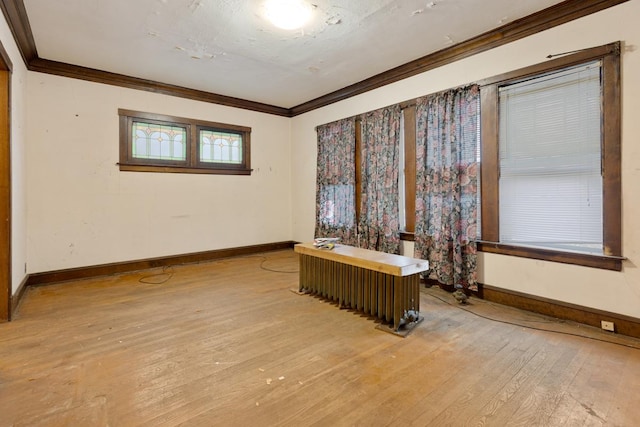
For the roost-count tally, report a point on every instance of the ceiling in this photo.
(227, 47)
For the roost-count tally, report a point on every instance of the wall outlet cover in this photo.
(607, 326)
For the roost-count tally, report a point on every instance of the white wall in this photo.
(617, 292)
(83, 211)
(18, 161)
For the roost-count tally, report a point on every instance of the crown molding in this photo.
(16, 16)
(548, 18)
(99, 76)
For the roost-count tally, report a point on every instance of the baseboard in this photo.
(50, 277)
(624, 325)
(16, 298)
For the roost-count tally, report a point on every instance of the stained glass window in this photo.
(220, 147)
(158, 141)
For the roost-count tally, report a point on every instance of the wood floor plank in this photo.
(228, 343)
(542, 396)
(478, 380)
(623, 408)
(503, 406)
(423, 369)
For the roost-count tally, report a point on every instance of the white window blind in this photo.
(550, 161)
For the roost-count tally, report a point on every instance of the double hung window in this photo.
(551, 160)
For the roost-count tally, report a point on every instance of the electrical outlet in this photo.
(608, 326)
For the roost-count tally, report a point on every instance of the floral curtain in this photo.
(447, 184)
(336, 180)
(378, 223)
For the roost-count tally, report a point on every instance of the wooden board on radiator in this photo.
(395, 265)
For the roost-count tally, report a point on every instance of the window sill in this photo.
(407, 236)
(181, 169)
(604, 262)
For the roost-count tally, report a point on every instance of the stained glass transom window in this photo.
(158, 141)
(220, 147)
(161, 143)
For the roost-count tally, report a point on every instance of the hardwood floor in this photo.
(227, 343)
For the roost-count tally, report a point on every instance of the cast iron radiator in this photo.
(392, 296)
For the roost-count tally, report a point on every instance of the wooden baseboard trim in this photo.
(16, 298)
(50, 277)
(625, 325)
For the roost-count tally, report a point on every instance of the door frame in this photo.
(5, 186)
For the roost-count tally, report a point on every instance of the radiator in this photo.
(392, 296)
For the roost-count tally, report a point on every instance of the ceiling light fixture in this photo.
(288, 14)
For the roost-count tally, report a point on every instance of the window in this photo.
(550, 180)
(159, 143)
(336, 202)
(549, 185)
(551, 160)
(336, 209)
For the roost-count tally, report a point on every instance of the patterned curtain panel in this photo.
(447, 184)
(378, 224)
(336, 180)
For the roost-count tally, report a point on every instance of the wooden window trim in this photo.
(604, 262)
(407, 236)
(358, 171)
(191, 164)
(409, 111)
(611, 134)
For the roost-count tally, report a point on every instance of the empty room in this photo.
(332, 212)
